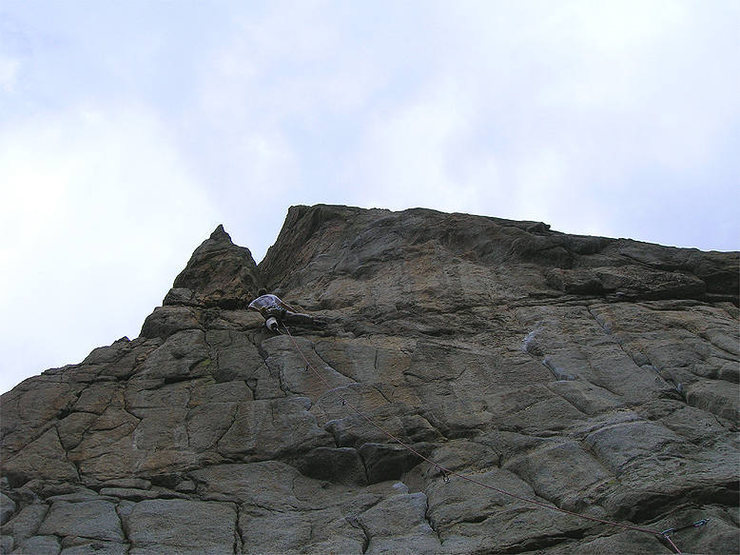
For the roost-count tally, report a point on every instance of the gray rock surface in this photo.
(596, 375)
(7, 508)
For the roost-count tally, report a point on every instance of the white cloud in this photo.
(98, 214)
(268, 95)
(9, 68)
(415, 155)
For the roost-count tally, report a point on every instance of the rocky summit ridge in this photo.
(596, 375)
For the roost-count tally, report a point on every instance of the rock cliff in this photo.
(595, 375)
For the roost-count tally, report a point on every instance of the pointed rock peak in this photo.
(219, 273)
(219, 240)
(219, 234)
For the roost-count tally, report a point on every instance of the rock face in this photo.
(596, 375)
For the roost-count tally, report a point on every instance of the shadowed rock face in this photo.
(595, 374)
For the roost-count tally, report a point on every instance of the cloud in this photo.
(97, 215)
(581, 114)
(9, 73)
(415, 155)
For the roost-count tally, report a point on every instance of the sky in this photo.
(130, 130)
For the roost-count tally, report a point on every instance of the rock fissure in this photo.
(383, 395)
(213, 353)
(428, 519)
(234, 414)
(630, 354)
(356, 522)
(545, 541)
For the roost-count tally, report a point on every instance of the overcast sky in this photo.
(129, 130)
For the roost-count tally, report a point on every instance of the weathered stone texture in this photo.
(597, 375)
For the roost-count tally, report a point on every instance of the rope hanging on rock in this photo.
(447, 473)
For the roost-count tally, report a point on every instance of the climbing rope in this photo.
(446, 472)
(667, 538)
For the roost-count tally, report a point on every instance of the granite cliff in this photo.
(596, 375)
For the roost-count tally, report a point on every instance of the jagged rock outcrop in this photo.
(598, 375)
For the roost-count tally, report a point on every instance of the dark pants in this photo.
(289, 318)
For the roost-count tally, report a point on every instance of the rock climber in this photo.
(277, 313)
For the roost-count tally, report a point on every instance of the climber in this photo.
(277, 313)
